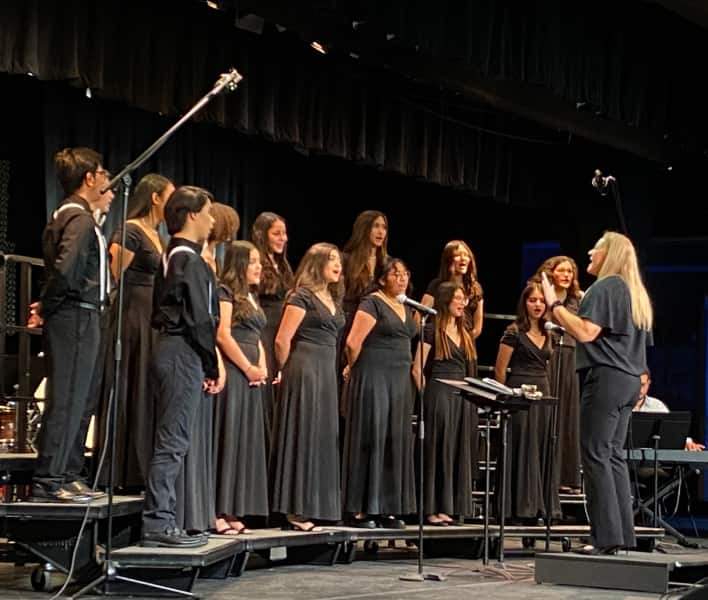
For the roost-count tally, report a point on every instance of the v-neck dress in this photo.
(451, 438)
(378, 474)
(304, 461)
(530, 431)
(135, 423)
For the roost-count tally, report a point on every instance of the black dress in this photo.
(239, 432)
(135, 423)
(378, 473)
(272, 304)
(304, 461)
(470, 309)
(450, 426)
(562, 370)
(350, 304)
(195, 484)
(529, 436)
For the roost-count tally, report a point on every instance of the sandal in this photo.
(437, 521)
(226, 531)
(234, 523)
(302, 526)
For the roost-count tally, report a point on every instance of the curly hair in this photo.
(549, 265)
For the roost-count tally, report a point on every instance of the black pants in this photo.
(176, 378)
(606, 401)
(72, 339)
(102, 373)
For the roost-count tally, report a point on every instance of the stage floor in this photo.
(367, 579)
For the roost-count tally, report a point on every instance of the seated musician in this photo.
(646, 403)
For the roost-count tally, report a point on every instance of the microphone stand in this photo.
(419, 575)
(227, 81)
(554, 440)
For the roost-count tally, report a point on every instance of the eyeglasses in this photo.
(107, 174)
(400, 275)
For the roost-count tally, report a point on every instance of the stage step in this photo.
(630, 571)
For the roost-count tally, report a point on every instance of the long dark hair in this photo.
(140, 202)
(356, 276)
(522, 317)
(310, 271)
(469, 280)
(233, 277)
(443, 297)
(271, 279)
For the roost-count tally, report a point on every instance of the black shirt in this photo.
(185, 301)
(72, 258)
(621, 344)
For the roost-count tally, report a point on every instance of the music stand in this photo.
(491, 399)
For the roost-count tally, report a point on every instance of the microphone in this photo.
(403, 299)
(600, 183)
(549, 326)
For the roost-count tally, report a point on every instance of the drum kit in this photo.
(9, 440)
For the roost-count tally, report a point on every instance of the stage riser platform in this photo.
(634, 571)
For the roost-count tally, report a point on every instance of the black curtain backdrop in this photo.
(631, 60)
(319, 195)
(161, 56)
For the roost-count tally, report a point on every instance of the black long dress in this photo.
(135, 423)
(567, 462)
(378, 473)
(470, 309)
(195, 484)
(529, 435)
(272, 304)
(304, 460)
(350, 304)
(450, 426)
(239, 433)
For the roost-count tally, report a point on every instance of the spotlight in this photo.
(318, 47)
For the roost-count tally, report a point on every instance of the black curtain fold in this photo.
(632, 61)
(162, 56)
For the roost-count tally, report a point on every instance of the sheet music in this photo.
(490, 385)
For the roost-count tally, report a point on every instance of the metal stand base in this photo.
(423, 577)
(106, 580)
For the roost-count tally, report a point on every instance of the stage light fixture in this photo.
(315, 45)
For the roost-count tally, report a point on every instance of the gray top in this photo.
(620, 344)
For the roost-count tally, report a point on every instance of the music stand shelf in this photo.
(504, 404)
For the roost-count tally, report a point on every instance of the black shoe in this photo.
(391, 523)
(598, 551)
(80, 488)
(364, 523)
(197, 534)
(60, 494)
(172, 538)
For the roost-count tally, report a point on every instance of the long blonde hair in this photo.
(621, 260)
